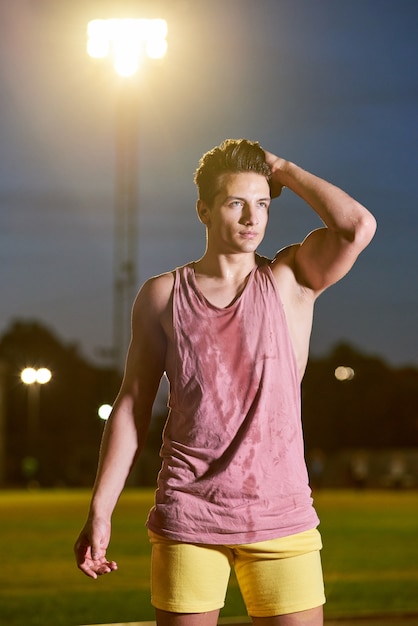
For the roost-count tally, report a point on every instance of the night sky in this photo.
(329, 84)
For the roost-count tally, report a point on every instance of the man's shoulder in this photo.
(286, 254)
(161, 281)
(284, 268)
(283, 261)
(158, 289)
(166, 279)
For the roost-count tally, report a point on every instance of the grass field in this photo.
(370, 558)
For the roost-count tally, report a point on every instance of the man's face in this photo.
(238, 217)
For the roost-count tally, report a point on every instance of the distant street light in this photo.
(342, 372)
(104, 411)
(127, 42)
(33, 379)
(31, 376)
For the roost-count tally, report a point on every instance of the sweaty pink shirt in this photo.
(233, 468)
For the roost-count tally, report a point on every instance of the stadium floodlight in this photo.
(127, 41)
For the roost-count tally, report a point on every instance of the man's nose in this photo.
(249, 215)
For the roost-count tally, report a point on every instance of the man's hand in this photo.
(90, 549)
(275, 163)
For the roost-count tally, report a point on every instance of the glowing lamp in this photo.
(127, 41)
(104, 411)
(30, 375)
(343, 372)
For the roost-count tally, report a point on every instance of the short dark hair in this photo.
(232, 156)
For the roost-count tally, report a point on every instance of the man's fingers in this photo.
(87, 570)
(107, 568)
(90, 550)
(93, 569)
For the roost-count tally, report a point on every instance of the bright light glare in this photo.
(125, 64)
(30, 375)
(156, 48)
(98, 43)
(344, 373)
(104, 411)
(43, 376)
(126, 41)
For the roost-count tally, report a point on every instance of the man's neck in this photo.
(229, 268)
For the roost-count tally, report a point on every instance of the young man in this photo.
(232, 333)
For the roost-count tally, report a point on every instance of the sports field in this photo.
(370, 558)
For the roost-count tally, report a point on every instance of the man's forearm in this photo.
(339, 211)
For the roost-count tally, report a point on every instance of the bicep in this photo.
(146, 357)
(323, 258)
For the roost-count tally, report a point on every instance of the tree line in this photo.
(373, 407)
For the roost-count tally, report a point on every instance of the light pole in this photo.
(127, 42)
(33, 379)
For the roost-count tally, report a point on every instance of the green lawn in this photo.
(370, 555)
(370, 558)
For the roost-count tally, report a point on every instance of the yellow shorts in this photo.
(276, 577)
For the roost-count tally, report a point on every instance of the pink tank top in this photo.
(233, 468)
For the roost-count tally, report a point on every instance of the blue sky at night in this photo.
(329, 84)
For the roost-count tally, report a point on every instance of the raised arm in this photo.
(126, 429)
(328, 253)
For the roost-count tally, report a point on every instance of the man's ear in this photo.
(203, 212)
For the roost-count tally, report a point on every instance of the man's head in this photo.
(232, 156)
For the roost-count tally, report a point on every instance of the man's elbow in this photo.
(365, 230)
